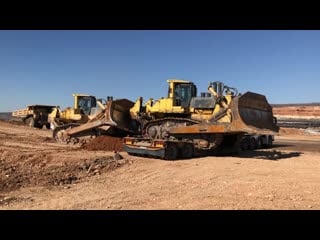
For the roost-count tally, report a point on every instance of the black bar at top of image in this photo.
(154, 22)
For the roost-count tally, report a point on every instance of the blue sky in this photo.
(46, 67)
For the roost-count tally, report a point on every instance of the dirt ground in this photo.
(37, 173)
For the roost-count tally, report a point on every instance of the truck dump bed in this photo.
(30, 110)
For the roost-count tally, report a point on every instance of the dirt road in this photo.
(37, 173)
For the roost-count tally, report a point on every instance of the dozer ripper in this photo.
(184, 125)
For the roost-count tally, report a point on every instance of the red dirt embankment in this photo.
(297, 111)
(106, 143)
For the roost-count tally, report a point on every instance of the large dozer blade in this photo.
(118, 113)
(250, 113)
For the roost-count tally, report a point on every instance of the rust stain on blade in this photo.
(252, 113)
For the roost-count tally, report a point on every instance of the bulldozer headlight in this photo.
(128, 141)
(160, 144)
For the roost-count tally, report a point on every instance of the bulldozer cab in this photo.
(183, 93)
(84, 104)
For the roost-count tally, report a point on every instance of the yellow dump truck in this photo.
(34, 115)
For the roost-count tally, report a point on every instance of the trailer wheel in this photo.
(244, 145)
(187, 151)
(269, 142)
(252, 143)
(171, 152)
(259, 143)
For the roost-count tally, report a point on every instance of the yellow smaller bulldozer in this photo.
(85, 107)
(112, 118)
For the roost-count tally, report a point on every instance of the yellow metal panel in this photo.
(177, 81)
(178, 109)
(165, 105)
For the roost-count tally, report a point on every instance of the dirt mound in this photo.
(312, 111)
(106, 143)
(36, 170)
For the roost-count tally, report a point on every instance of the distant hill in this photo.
(5, 115)
(295, 104)
(298, 115)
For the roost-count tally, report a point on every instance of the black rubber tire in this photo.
(48, 126)
(252, 144)
(269, 142)
(187, 151)
(30, 122)
(171, 152)
(259, 143)
(244, 143)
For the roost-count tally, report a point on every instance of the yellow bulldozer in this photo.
(112, 118)
(184, 124)
(85, 107)
(182, 107)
